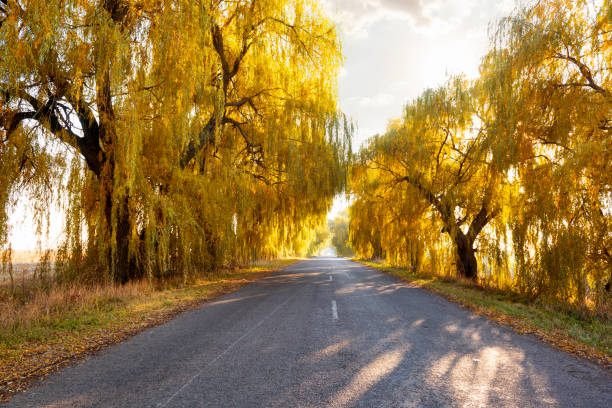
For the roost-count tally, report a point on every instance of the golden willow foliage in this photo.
(180, 134)
(339, 228)
(507, 178)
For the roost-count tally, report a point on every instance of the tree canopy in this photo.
(506, 178)
(178, 135)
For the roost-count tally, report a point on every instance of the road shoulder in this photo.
(51, 344)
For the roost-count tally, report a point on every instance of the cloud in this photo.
(381, 99)
(394, 49)
(365, 9)
(356, 15)
(433, 16)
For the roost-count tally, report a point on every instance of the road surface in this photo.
(327, 332)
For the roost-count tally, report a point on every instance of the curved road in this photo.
(327, 332)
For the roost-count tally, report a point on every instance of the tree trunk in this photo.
(125, 267)
(118, 220)
(377, 249)
(465, 257)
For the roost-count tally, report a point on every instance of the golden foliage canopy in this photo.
(181, 134)
(506, 178)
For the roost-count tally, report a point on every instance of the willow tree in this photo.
(174, 111)
(272, 119)
(339, 228)
(549, 77)
(516, 166)
(439, 151)
(366, 224)
(388, 224)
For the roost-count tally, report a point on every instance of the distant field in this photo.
(27, 256)
(24, 264)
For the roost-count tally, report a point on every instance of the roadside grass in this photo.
(42, 330)
(587, 337)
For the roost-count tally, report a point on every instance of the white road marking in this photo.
(330, 278)
(225, 351)
(334, 310)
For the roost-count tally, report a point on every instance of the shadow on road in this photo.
(275, 343)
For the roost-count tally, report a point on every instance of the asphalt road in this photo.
(327, 332)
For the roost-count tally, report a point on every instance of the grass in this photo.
(589, 338)
(42, 330)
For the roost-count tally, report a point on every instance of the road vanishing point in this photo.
(327, 332)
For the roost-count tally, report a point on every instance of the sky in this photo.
(395, 49)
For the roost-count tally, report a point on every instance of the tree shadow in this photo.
(275, 344)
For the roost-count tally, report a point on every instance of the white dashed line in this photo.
(330, 278)
(334, 310)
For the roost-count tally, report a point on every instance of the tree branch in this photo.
(586, 73)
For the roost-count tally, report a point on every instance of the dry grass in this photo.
(45, 327)
(25, 310)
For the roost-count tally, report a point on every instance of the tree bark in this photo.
(125, 266)
(378, 252)
(117, 214)
(465, 257)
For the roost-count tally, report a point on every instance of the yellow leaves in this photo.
(526, 141)
(147, 84)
